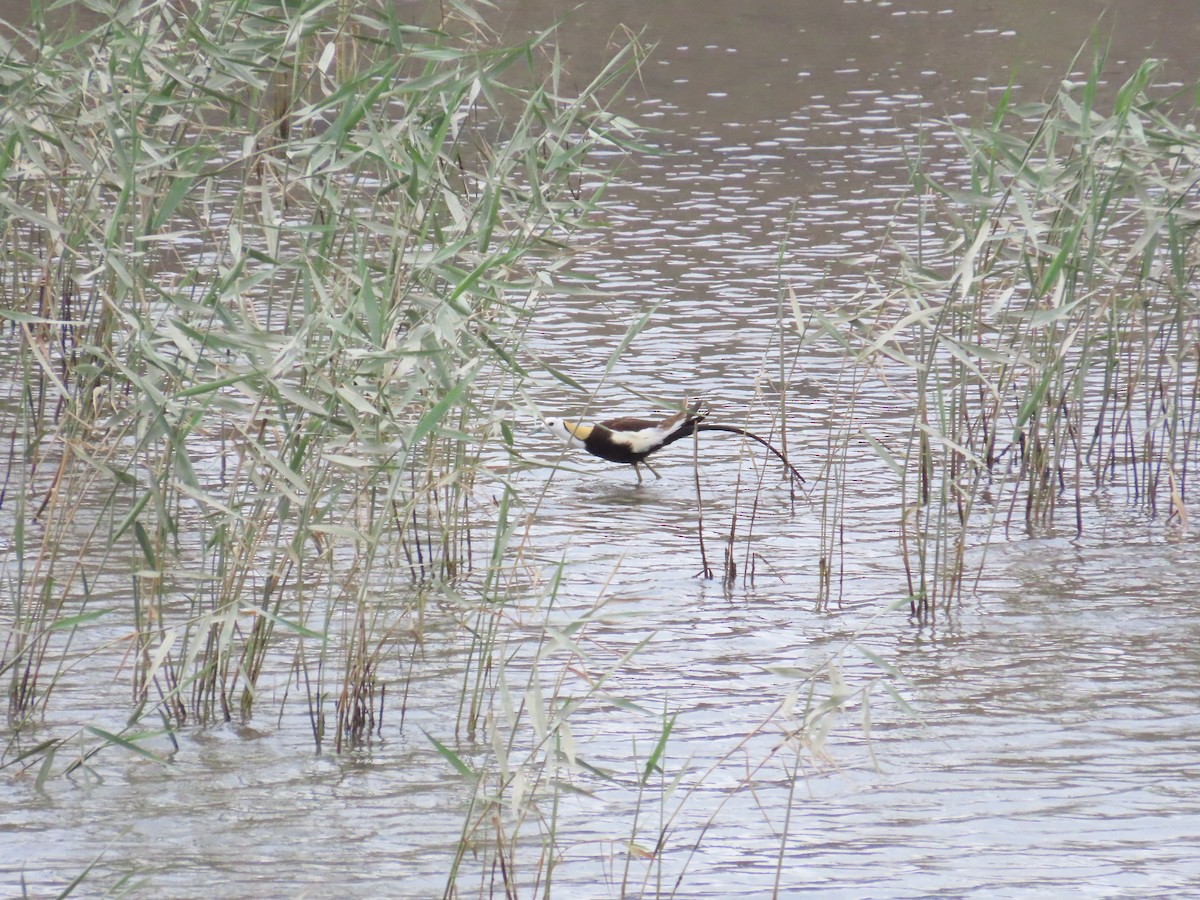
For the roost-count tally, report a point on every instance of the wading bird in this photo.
(629, 440)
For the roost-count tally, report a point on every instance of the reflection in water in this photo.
(1052, 744)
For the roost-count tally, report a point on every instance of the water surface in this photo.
(1048, 744)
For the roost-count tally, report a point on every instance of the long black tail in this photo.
(704, 426)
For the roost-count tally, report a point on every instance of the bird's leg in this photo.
(651, 468)
(637, 472)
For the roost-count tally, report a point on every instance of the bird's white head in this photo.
(570, 432)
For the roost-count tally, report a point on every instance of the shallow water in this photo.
(1049, 745)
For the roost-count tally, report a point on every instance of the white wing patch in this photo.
(646, 439)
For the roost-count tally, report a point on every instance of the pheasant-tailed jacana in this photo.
(631, 440)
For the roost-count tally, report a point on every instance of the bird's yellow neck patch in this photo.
(582, 432)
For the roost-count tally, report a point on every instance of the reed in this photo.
(267, 273)
(1042, 325)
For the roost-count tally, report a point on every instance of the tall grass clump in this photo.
(267, 269)
(1045, 321)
